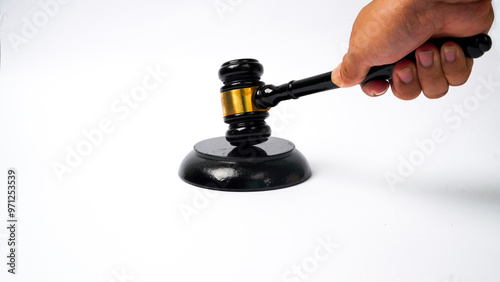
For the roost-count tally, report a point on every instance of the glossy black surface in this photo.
(270, 95)
(473, 47)
(244, 128)
(247, 128)
(248, 159)
(241, 73)
(216, 164)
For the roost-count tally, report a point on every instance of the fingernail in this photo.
(379, 93)
(425, 58)
(336, 78)
(374, 89)
(406, 75)
(450, 54)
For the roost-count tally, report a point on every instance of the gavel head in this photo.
(246, 122)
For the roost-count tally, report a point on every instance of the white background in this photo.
(119, 213)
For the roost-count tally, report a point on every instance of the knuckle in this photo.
(435, 93)
(457, 80)
(406, 93)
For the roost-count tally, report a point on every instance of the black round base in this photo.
(216, 164)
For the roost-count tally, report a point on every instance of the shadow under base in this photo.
(216, 164)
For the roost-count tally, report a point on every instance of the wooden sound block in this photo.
(218, 165)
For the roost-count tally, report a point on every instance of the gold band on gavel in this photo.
(239, 101)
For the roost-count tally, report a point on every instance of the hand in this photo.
(387, 30)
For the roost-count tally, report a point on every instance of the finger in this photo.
(375, 88)
(430, 74)
(350, 72)
(456, 68)
(405, 83)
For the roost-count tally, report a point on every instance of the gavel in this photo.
(248, 158)
(246, 100)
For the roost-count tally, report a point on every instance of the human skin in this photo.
(387, 30)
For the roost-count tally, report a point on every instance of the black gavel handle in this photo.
(270, 95)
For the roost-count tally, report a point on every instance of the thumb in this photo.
(350, 71)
